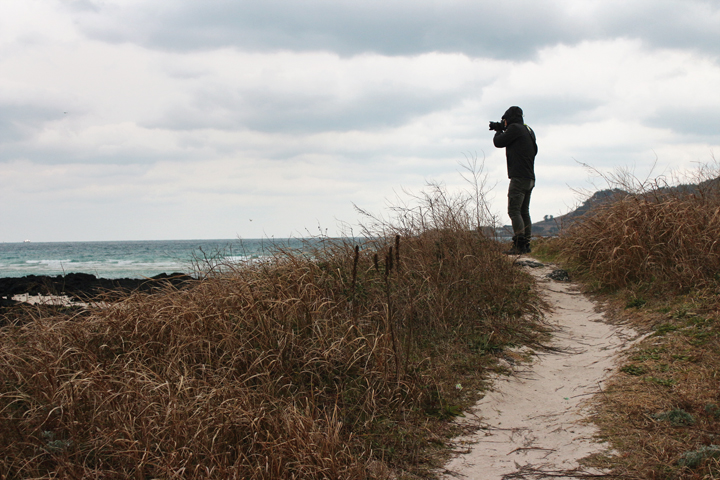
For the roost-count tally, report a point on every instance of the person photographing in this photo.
(520, 146)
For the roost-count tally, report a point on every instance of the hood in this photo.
(513, 115)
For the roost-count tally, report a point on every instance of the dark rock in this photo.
(529, 263)
(84, 285)
(174, 278)
(7, 302)
(559, 275)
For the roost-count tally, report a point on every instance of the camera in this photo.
(497, 126)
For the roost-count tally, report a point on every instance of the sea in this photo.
(133, 259)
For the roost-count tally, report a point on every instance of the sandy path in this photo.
(532, 421)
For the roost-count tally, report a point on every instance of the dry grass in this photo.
(663, 408)
(652, 238)
(656, 253)
(334, 363)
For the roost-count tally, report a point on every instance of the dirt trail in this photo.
(532, 421)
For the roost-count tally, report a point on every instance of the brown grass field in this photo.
(654, 256)
(340, 362)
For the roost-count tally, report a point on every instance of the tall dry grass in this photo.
(663, 238)
(338, 362)
(656, 251)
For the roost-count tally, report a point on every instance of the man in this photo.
(520, 146)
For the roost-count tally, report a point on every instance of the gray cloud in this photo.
(51, 155)
(271, 111)
(549, 109)
(20, 122)
(509, 29)
(693, 121)
(686, 24)
(81, 5)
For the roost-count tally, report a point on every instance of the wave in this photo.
(134, 259)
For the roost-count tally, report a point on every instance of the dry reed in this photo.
(661, 238)
(338, 362)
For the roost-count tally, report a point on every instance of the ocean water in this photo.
(129, 259)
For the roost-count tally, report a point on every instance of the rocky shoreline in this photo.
(83, 286)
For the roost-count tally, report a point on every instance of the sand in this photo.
(534, 422)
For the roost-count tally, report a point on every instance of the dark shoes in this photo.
(514, 250)
(526, 246)
(520, 246)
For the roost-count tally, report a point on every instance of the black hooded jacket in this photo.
(520, 145)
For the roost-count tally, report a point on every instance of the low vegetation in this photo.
(654, 252)
(341, 361)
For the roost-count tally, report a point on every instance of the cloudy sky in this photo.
(188, 119)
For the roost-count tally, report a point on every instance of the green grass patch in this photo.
(636, 303)
(665, 382)
(677, 417)
(635, 370)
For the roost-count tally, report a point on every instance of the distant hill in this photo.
(551, 226)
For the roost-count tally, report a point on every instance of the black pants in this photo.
(519, 206)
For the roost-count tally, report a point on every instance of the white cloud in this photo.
(160, 120)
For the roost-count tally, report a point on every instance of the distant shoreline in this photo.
(131, 259)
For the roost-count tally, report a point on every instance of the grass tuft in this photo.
(695, 458)
(677, 417)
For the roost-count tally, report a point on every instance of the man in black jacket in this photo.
(520, 149)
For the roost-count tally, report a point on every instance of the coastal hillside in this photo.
(551, 226)
(654, 256)
(352, 360)
(339, 361)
